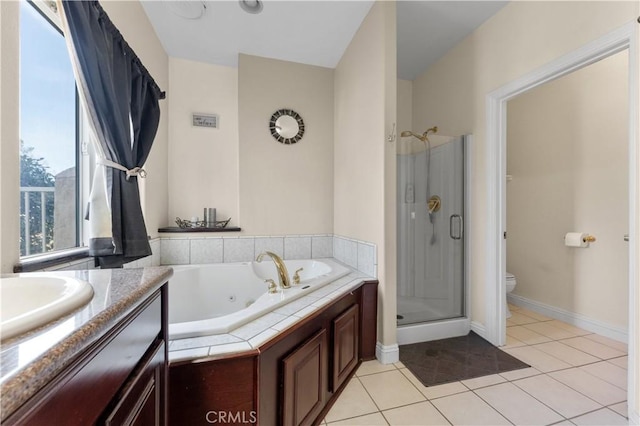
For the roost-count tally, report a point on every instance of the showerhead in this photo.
(422, 137)
(406, 134)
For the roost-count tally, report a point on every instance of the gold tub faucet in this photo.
(283, 274)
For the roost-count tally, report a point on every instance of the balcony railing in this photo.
(25, 192)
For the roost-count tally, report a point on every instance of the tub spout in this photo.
(283, 274)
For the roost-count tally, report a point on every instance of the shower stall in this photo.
(431, 249)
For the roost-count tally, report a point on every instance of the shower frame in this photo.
(461, 326)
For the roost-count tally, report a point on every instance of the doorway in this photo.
(612, 43)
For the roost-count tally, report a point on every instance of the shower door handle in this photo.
(458, 235)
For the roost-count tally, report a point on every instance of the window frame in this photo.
(85, 166)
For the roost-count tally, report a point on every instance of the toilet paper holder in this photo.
(589, 239)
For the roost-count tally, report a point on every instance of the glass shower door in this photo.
(431, 244)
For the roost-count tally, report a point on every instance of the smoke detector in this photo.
(187, 9)
(251, 6)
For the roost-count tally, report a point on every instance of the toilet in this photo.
(510, 285)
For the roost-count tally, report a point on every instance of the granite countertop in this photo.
(28, 362)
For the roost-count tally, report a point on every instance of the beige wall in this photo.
(132, 21)
(364, 174)
(520, 38)
(203, 162)
(285, 189)
(567, 144)
(9, 136)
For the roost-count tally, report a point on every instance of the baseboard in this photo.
(408, 334)
(387, 354)
(589, 324)
(479, 329)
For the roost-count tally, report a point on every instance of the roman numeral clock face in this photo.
(286, 126)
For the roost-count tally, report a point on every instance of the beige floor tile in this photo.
(593, 348)
(622, 362)
(372, 367)
(374, 419)
(608, 372)
(537, 359)
(391, 389)
(622, 347)
(518, 406)
(557, 396)
(468, 409)
(422, 413)
(534, 315)
(564, 423)
(597, 389)
(510, 324)
(354, 401)
(399, 364)
(572, 328)
(438, 391)
(512, 342)
(526, 335)
(520, 374)
(550, 331)
(621, 409)
(566, 353)
(480, 382)
(599, 418)
(513, 308)
(518, 319)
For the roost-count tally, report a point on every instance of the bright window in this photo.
(50, 154)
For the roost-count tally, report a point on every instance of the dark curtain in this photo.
(121, 99)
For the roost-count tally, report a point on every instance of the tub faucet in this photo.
(283, 274)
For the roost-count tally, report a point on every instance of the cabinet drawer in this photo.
(139, 401)
(80, 395)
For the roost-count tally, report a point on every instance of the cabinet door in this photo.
(345, 345)
(305, 381)
(139, 402)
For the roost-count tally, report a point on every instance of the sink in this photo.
(28, 302)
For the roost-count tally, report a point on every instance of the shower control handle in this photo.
(460, 227)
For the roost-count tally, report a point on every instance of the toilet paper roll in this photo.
(575, 239)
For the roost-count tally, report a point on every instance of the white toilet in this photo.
(510, 285)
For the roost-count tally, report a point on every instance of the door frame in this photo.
(624, 38)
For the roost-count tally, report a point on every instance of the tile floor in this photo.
(576, 378)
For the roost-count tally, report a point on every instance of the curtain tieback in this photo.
(136, 171)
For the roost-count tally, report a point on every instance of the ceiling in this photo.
(310, 32)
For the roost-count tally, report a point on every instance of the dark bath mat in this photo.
(458, 358)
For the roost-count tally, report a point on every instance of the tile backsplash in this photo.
(359, 255)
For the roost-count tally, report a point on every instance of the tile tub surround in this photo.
(32, 360)
(252, 335)
(186, 249)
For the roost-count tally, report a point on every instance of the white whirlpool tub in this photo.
(217, 298)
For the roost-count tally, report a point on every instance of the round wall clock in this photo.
(286, 126)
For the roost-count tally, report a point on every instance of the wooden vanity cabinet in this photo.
(121, 379)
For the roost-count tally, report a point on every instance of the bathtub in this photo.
(217, 298)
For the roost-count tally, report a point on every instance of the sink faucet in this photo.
(283, 274)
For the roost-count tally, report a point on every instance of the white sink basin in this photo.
(28, 302)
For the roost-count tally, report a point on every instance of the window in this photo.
(51, 160)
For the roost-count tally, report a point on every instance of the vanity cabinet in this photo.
(121, 379)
